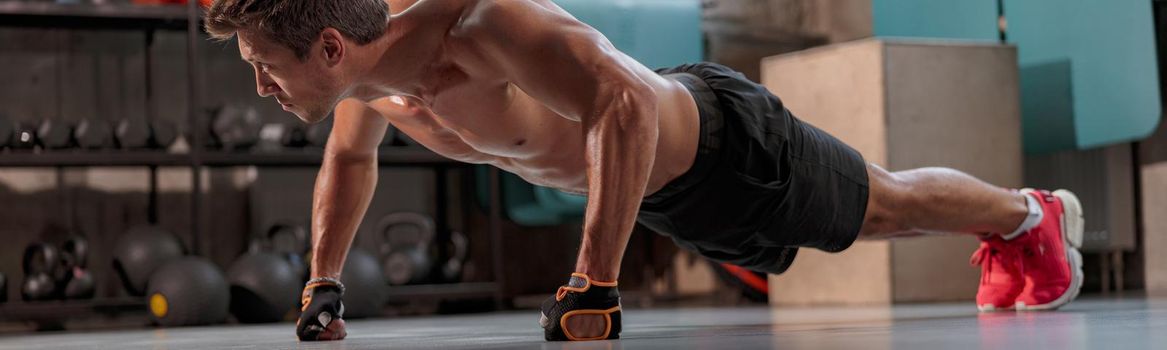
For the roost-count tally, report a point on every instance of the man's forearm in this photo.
(344, 188)
(621, 146)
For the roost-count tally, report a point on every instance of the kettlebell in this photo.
(290, 241)
(458, 248)
(40, 260)
(406, 251)
(79, 283)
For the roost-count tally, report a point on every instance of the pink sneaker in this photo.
(1051, 263)
(1001, 279)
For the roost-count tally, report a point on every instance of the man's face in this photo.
(308, 88)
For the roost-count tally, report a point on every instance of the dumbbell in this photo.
(208, 139)
(94, 134)
(40, 260)
(133, 134)
(55, 134)
(24, 137)
(406, 251)
(236, 128)
(273, 136)
(138, 134)
(294, 136)
(78, 281)
(163, 133)
(7, 128)
(317, 134)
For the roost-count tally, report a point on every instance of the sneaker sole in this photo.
(1073, 227)
(993, 308)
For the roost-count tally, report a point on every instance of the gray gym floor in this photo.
(1094, 323)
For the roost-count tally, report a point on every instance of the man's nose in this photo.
(265, 86)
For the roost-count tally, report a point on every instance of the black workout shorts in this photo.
(763, 184)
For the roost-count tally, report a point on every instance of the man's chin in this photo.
(310, 118)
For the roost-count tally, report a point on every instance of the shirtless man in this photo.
(695, 152)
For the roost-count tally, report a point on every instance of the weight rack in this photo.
(188, 18)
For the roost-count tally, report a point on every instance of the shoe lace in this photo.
(1003, 254)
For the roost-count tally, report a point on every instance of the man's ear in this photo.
(333, 46)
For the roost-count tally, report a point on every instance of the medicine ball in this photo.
(140, 251)
(364, 284)
(264, 288)
(188, 291)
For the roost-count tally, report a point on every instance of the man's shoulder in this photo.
(490, 16)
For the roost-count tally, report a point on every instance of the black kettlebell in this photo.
(406, 251)
(291, 242)
(38, 287)
(457, 250)
(79, 283)
(40, 261)
(75, 252)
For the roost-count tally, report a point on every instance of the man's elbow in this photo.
(639, 103)
(348, 157)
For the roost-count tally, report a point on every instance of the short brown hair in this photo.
(296, 23)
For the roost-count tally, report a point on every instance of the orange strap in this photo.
(607, 322)
(306, 295)
(588, 282)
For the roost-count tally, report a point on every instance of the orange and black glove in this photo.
(320, 316)
(582, 310)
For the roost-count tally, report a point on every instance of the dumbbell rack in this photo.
(187, 18)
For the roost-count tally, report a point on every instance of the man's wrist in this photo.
(597, 274)
(325, 281)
